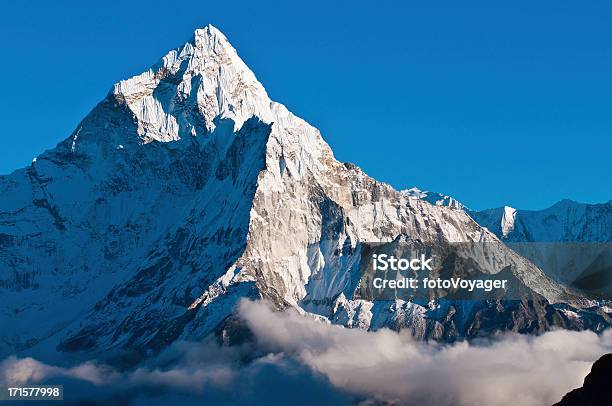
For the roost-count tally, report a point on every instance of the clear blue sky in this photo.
(492, 104)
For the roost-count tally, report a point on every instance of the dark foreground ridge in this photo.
(596, 387)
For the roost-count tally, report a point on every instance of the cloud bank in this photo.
(305, 361)
(511, 370)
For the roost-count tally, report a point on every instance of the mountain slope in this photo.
(565, 221)
(187, 189)
(569, 241)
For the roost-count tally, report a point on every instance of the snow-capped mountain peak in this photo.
(437, 199)
(566, 221)
(196, 86)
(193, 85)
(187, 189)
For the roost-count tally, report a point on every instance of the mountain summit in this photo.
(185, 190)
(192, 86)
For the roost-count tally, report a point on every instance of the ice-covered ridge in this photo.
(437, 199)
(566, 221)
(194, 86)
(197, 83)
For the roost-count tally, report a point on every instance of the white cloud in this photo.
(512, 370)
(301, 359)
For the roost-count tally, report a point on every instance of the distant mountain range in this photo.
(570, 241)
(187, 189)
(566, 221)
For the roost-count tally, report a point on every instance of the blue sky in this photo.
(492, 104)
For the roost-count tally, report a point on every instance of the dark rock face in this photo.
(596, 388)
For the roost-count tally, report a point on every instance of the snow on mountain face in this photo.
(569, 241)
(210, 81)
(187, 189)
(507, 222)
(566, 221)
(437, 199)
